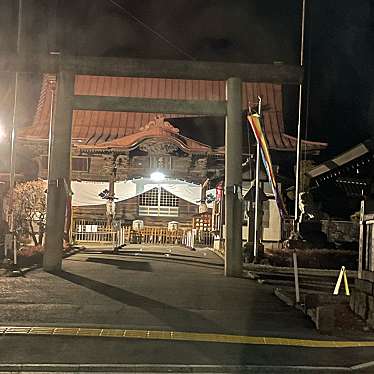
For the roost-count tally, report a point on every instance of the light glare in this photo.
(157, 176)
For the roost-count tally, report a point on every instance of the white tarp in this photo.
(87, 193)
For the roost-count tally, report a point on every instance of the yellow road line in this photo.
(180, 336)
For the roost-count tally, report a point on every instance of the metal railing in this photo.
(198, 238)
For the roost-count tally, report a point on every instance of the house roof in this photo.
(342, 159)
(95, 127)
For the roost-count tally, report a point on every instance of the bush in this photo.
(30, 255)
(30, 206)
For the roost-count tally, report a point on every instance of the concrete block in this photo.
(361, 305)
(312, 314)
(325, 318)
(352, 301)
(370, 320)
(314, 300)
(371, 303)
(311, 301)
(364, 286)
(356, 301)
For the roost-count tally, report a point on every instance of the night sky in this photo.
(339, 99)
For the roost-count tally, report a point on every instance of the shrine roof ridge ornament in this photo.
(159, 122)
(153, 68)
(157, 132)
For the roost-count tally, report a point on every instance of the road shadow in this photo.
(122, 264)
(174, 254)
(177, 319)
(169, 257)
(125, 251)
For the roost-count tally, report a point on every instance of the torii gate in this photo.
(66, 67)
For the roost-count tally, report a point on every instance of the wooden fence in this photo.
(150, 235)
(99, 232)
(85, 231)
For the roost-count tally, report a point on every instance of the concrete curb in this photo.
(124, 368)
(216, 252)
(302, 271)
(249, 275)
(283, 297)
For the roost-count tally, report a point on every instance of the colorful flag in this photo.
(254, 120)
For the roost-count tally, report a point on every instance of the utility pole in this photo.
(298, 149)
(13, 144)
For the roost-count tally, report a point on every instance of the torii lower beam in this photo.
(146, 105)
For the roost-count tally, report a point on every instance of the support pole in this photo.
(13, 145)
(298, 148)
(58, 172)
(296, 276)
(233, 179)
(257, 236)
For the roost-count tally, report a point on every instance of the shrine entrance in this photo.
(66, 69)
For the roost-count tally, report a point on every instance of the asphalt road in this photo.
(167, 289)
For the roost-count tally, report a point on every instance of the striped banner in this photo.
(254, 120)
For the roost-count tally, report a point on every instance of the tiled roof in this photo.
(95, 127)
(158, 129)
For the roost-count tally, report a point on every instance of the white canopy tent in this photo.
(87, 193)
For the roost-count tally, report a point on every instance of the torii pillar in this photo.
(58, 171)
(233, 179)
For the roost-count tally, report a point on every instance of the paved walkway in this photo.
(156, 288)
(160, 290)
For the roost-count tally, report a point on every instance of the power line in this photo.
(153, 31)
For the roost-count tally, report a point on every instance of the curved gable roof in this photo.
(95, 127)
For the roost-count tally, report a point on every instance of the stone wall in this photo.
(362, 300)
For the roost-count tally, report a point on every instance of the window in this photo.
(158, 203)
(149, 198)
(78, 163)
(168, 199)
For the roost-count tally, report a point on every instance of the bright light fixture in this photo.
(157, 176)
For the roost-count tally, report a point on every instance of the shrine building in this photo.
(121, 150)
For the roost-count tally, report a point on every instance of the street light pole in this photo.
(14, 143)
(257, 234)
(298, 149)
